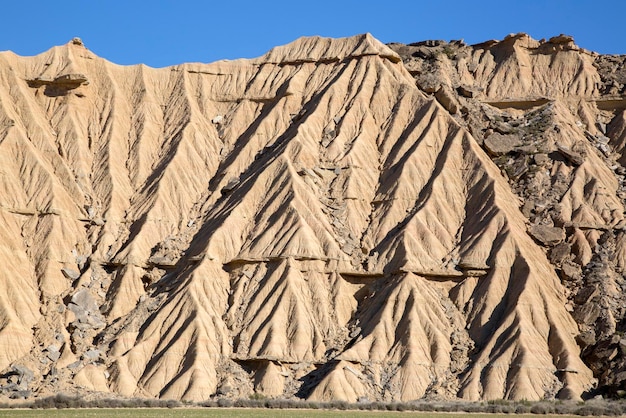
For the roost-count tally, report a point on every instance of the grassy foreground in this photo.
(62, 405)
(228, 413)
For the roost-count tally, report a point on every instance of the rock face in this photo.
(561, 110)
(337, 219)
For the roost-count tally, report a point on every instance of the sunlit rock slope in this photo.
(335, 220)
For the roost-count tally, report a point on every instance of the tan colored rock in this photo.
(497, 144)
(565, 104)
(270, 380)
(341, 383)
(571, 155)
(247, 221)
(446, 98)
(547, 235)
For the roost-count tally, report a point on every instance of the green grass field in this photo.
(229, 413)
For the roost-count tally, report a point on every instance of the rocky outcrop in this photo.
(558, 140)
(335, 220)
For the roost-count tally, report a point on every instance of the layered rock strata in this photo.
(335, 220)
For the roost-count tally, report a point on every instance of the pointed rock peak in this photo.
(316, 49)
(76, 41)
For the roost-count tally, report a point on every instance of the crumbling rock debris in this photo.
(568, 166)
(547, 235)
(16, 382)
(86, 311)
(498, 144)
(571, 155)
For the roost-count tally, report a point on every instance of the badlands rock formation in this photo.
(335, 220)
(551, 116)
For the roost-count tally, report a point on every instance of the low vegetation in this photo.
(595, 407)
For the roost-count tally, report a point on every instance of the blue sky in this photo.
(167, 32)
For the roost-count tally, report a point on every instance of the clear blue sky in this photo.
(167, 32)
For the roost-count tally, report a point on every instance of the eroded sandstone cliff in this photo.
(551, 116)
(337, 219)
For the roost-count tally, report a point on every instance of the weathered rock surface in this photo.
(547, 235)
(337, 219)
(561, 109)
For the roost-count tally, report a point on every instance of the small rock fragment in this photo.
(585, 294)
(70, 273)
(20, 394)
(586, 338)
(572, 156)
(560, 252)
(465, 92)
(232, 183)
(445, 97)
(547, 235)
(24, 376)
(92, 354)
(162, 261)
(528, 207)
(53, 352)
(81, 260)
(503, 128)
(497, 144)
(541, 159)
(75, 365)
